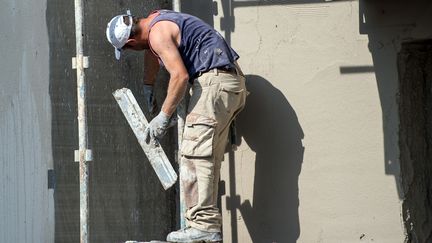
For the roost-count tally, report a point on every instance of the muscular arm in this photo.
(151, 67)
(163, 41)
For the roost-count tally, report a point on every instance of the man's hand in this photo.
(157, 127)
(150, 99)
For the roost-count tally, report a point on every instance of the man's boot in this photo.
(192, 235)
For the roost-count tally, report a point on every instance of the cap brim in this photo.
(117, 53)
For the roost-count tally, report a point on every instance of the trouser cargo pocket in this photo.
(198, 136)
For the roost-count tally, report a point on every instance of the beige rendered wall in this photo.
(319, 158)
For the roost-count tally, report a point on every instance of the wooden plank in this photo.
(138, 122)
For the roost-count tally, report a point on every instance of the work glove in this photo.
(157, 127)
(151, 101)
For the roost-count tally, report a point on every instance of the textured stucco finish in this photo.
(348, 177)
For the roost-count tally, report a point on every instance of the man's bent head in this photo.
(124, 32)
(118, 32)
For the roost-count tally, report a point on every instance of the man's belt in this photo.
(231, 70)
(225, 70)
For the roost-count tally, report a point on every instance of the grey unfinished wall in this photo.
(26, 203)
(415, 109)
(127, 201)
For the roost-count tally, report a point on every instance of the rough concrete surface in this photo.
(415, 107)
(126, 198)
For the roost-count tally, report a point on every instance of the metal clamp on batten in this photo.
(84, 60)
(88, 155)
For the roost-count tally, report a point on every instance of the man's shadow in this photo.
(270, 127)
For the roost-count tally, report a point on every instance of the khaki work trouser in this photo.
(216, 99)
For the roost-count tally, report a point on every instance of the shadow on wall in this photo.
(270, 127)
(388, 25)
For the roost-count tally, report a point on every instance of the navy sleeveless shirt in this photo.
(201, 47)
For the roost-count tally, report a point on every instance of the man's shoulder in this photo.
(162, 33)
(164, 28)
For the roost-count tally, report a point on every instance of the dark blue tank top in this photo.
(202, 48)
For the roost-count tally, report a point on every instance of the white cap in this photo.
(118, 32)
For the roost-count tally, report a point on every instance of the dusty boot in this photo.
(153, 241)
(192, 235)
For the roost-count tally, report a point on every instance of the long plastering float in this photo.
(153, 150)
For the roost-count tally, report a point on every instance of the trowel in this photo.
(138, 122)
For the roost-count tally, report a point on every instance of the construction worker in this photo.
(191, 51)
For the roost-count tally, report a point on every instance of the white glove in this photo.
(151, 101)
(157, 127)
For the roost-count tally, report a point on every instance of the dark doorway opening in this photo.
(415, 138)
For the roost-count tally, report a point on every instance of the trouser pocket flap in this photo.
(231, 88)
(198, 136)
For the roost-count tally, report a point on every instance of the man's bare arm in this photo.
(151, 67)
(163, 42)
